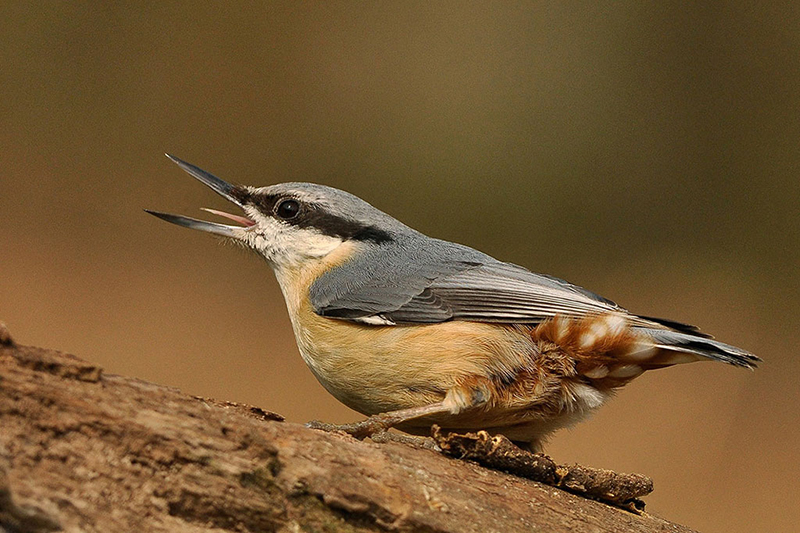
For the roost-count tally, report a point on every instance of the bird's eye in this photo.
(288, 209)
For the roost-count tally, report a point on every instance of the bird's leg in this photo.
(383, 421)
(465, 395)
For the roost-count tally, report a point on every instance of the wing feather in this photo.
(499, 293)
(435, 281)
(416, 279)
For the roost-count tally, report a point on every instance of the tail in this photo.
(612, 349)
(698, 347)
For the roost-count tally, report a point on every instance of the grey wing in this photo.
(499, 292)
(434, 281)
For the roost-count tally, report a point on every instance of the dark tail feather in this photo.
(678, 326)
(705, 347)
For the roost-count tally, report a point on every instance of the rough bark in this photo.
(82, 450)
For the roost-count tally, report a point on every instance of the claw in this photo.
(360, 430)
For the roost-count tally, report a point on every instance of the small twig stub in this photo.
(5, 335)
(499, 453)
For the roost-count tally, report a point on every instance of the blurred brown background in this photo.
(648, 152)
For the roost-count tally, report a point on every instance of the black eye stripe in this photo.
(310, 215)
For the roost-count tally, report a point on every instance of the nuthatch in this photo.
(414, 331)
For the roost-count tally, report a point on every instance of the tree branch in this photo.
(81, 450)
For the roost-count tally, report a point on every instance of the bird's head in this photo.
(291, 224)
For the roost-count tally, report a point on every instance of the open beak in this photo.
(224, 189)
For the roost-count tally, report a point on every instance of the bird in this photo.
(413, 331)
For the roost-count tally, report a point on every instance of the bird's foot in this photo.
(366, 428)
(381, 423)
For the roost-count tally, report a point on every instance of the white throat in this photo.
(288, 247)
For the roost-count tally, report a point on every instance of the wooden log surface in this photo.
(83, 450)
